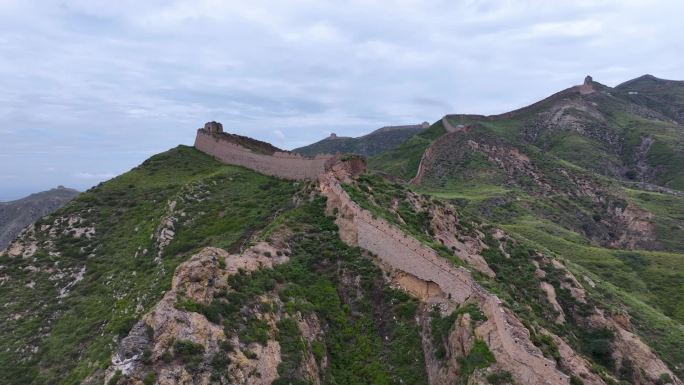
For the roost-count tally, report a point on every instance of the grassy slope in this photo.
(369, 145)
(221, 204)
(517, 285)
(403, 160)
(648, 284)
(371, 332)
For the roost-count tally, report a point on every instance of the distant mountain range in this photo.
(371, 144)
(16, 215)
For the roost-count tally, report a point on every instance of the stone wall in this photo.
(281, 164)
(504, 334)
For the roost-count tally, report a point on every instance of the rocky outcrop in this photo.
(146, 348)
(503, 333)
(626, 346)
(551, 296)
(459, 343)
(637, 228)
(445, 227)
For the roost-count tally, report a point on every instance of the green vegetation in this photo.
(358, 353)
(500, 378)
(441, 326)
(403, 160)
(371, 144)
(369, 338)
(478, 357)
(292, 348)
(189, 353)
(123, 274)
(149, 378)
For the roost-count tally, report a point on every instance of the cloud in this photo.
(128, 78)
(279, 134)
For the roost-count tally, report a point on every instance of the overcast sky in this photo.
(90, 88)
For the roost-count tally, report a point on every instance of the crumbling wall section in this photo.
(505, 335)
(285, 165)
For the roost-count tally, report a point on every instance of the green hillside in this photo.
(86, 291)
(596, 179)
(85, 294)
(374, 143)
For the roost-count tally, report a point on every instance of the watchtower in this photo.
(214, 127)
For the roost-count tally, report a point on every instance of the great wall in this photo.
(403, 255)
(259, 156)
(504, 334)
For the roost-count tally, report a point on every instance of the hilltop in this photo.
(17, 214)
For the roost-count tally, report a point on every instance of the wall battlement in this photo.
(260, 156)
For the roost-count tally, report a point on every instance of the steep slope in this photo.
(16, 215)
(552, 174)
(82, 276)
(664, 96)
(553, 314)
(374, 143)
(614, 132)
(301, 308)
(403, 160)
(187, 271)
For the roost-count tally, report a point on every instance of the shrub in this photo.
(166, 357)
(664, 378)
(220, 361)
(256, 331)
(318, 350)
(500, 378)
(149, 378)
(115, 378)
(187, 348)
(291, 347)
(189, 352)
(478, 357)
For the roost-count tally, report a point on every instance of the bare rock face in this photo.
(426, 291)
(349, 167)
(145, 347)
(571, 362)
(132, 347)
(551, 296)
(637, 228)
(444, 225)
(627, 347)
(461, 340)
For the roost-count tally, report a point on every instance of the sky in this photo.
(91, 88)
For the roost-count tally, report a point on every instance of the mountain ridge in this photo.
(369, 144)
(505, 261)
(17, 214)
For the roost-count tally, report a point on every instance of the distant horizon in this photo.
(10, 194)
(93, 88)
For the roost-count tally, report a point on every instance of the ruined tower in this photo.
(213, 127)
